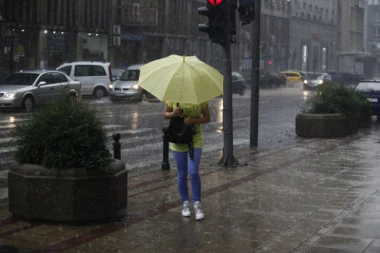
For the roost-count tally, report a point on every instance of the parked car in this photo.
(272, 80)
(371, 89)
(29, 89)
(126, 87)
(94, 76)
(238, 83)
(294, 77)
(313, 80)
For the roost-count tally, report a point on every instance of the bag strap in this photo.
(191, 150)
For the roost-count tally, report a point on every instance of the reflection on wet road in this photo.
(140, 125)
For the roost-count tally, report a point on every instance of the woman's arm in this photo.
(205, 118)
(170, 113)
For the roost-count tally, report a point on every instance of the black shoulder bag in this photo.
(178, 132)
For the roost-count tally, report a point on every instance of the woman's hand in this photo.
(177, 111)
(187, 121)
(170, 113)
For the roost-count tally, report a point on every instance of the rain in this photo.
(284, 193)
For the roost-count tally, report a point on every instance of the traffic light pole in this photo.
(228, 159)
(254, 129)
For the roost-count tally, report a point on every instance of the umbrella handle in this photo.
(178, 106)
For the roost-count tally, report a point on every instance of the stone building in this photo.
(46, 33)
(305, 35)
(312, 35)
(351, 50)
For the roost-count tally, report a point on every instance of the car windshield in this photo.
(19, 79)
(130, 75)
(314, 76)
(368, 86)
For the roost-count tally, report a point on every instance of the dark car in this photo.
(336, 77)
(272, 80)
(371, 89)
(238, 83)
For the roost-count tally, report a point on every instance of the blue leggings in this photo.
(185, 166)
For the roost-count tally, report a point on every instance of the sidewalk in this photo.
(315, 196)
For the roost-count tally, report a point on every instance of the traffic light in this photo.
(246, 11)
(216, 11)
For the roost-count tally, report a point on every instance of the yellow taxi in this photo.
(294, 77)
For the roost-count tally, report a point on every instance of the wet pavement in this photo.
(315, 196)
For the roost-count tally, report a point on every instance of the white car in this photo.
(29, 89)
(94, 76)
(126, 88)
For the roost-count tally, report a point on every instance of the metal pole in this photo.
(254, 130)
(165, 165)
(228, 159)
(116, 146)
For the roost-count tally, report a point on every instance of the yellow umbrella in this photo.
(183, 79)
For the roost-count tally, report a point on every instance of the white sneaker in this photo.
(186, 209)
(199, 215)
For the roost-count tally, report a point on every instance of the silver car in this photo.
(28, 89)
(126, 87)
(313, 80)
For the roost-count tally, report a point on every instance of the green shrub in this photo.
(336, 99)
(64, 135)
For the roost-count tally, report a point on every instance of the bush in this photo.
(64, 135)
(336, 99)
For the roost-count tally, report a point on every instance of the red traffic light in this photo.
(215, 2)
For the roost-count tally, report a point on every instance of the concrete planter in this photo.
(352, 123)
(37, 193)
(321, 125)
(365, 119)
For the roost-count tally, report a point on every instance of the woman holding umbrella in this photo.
(192, 83)
(196, 115)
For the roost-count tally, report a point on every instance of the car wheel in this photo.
(242, 91)
(143, 96)
(100, 92)
(28, 103)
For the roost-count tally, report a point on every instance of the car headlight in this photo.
(10, 94)
(135, 87)
(320, 81)
(110, 86)
(305, 81)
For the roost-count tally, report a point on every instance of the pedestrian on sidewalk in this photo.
(197, 115)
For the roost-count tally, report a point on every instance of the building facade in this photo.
(373, 35)
(46, 33)
(305, 35)
(313, 29)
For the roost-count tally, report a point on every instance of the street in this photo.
(140, 126)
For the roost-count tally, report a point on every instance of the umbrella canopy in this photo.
(183, 79)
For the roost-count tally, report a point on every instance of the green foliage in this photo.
(336, 99)
(66, 134)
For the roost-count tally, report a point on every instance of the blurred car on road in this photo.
(371, 89)
(294, 77)
(94, 76)
(313, 80)
(238, 83)
(32, 88)
(126, 87)
(272, 80)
